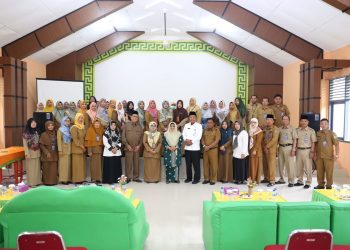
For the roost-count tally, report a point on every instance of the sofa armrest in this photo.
(139, 229)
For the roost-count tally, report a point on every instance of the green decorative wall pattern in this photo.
(157, 46)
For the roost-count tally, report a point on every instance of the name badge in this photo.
(324, 143)
(306, 139)
(285, 137)
(97, 138)
(282, 114)
(268, 136)
(265, 115)
(53, 147)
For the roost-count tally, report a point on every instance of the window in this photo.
(339, 107)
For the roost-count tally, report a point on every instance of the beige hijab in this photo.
(152, 135)
(172, 136)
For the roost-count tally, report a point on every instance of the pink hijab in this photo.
(153, 111)
(92, 114)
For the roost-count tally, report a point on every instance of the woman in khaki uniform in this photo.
(232, 116)
(152, 140)
(152, 114)
(225, 154)
(64, 142)
(32, 153)
(255, 150)
(78, 149)
(94, 142)
(49, 154)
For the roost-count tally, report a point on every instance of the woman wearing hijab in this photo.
(40, 107)
(193, 107)
(49, 106)
(102, 113)
(94, 142)
(180, 115)
(232, 116)
(121, 114)
(91, 100)
(82, 107)
(206, 114)
(129, 109)
(72, 111)
(78, 149)
(255, 149)
(64, 145)
(152, 141)
(66, 107)
(172, 142)
(166, 116)
(152, 114)
(58, 113)
(225, 153)
(221, 112)
(141, 111)
(242, 110)
(49, 155)
(240, 153)
(112, 165)
(90, 115)
(213, 107)
(112, 112)
(32, 153)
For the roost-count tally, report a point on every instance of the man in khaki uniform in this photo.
(132, 137)
(252, 108)
(280, 110)
(286, 152)
(324, 155)
(305, 151)
(270, 143)
(210, 140)
(263, 111)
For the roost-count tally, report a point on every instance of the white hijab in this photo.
(172, 136)
(221, 113)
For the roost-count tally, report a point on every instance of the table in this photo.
(257, 196)
(15, 156)
(282, 247)
(326, 195)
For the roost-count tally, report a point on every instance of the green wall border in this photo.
(88, 68)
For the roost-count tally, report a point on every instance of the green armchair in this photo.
(92, 217)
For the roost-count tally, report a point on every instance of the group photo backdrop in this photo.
(145, 70)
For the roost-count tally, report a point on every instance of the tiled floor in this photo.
(174, 211)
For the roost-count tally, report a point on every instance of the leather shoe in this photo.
(319, 187)
(306, 186)
(212, 183)
(271, 184)
(298, 184)
(187, 180)
(137, 180)
(328, 187)
(264, 181)
(280, 182)
(195, 182)
(290, 185)
(205, 182)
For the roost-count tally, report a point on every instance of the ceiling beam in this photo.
(262, 28)
(62, 27)
(68, 66)
(342, 5)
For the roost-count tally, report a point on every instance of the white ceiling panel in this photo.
(283, 58)
(68, 44)
(63, 7)
(96, 31)
(45, 56)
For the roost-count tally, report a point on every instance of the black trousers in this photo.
(193, 158)
(112, 169)
(240, 167)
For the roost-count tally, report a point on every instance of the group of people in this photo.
(237, 143)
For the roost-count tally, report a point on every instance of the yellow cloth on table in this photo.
(257, 196)
(129, 193)
(329, 195)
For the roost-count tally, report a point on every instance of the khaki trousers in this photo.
(285, 159)
(210, 164)
(132, 163)
(325, 166)
(270, 163)
(304, 163)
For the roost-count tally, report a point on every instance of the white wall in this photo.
(165, 76)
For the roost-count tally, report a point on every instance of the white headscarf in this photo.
(206, 113)
(253, 130)
(221, 113)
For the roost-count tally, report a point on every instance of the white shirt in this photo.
(193, 132)
(242, 147)
(108, 153)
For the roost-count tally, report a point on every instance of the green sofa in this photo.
(240, 225)
(301, 215)
(340, 222)
(93, 217)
